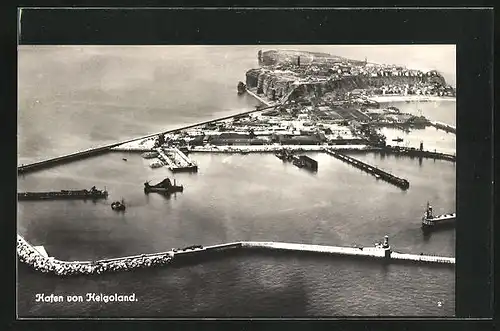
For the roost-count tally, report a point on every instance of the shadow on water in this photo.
(447, 227)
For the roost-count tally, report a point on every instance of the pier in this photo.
(378, 173)
(176, 160)
(187, 163)
(443, 126)
(431, 221)
(420, 153)
(39, 259)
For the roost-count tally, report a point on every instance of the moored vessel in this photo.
(93, 193)
(164, 186)
(118, 205)
(149, 155)
(242, 88)
(157, 164)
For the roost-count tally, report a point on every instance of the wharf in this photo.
(176, 162)
(378, 173)
(188, 164)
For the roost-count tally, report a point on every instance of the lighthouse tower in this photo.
(387, 247)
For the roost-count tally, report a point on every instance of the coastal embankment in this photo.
(37, 257)
(409, 98)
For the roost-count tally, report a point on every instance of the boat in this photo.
(93, 193)
(244, 151)
(242, 88)
(150, 155)
(118, 205)
(156, 164)
(164, 186)
(398, 139)
(124, 159)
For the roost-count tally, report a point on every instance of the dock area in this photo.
(378, 173)
(176, 161)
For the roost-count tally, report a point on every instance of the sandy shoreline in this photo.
(404, 98)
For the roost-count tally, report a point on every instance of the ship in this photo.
(429, 220)
(93, 194)
(156, 164)
(164, 186)
(118, 205)
(242, 88)
(149, 155)
(284, 155)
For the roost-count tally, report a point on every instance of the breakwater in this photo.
(94, 151)
(38, 258)
(378, 173)
(412, 152)
(443, 126)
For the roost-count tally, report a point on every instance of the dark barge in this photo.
(164, 187)
(189, 168)
(304, 161)
(118, 205)
(93, 194)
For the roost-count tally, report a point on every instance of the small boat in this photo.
(124, 159)
(157, 164)
(150, 155)
(118, 205)
(242, 88)
(398, 139)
